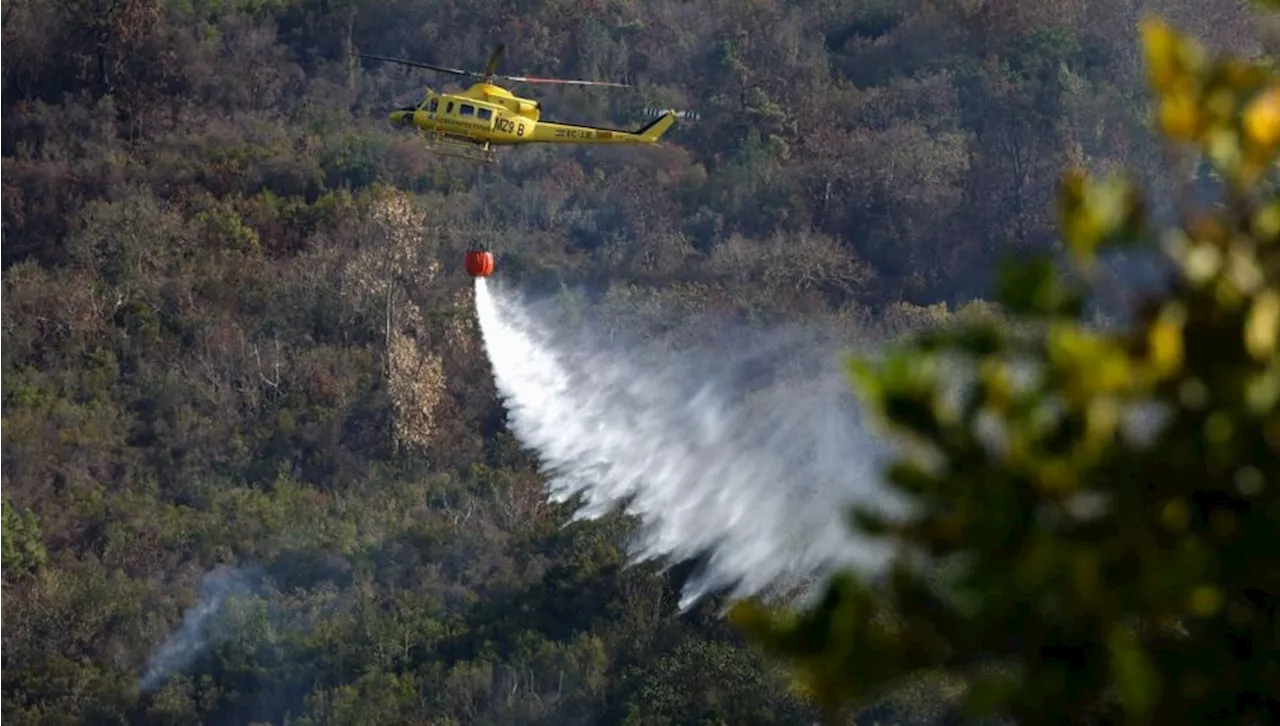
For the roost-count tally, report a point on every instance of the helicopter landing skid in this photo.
(460, 148)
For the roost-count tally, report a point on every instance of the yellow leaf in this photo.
(1262, 119)
(1179, 117)
(1172, 59)
(1266, 222)
(1101, 419)
(1220, 103)
(1114, 372)
(1160, 49)
(1262, 391)
(1223, 146)
(1200, 262)
(1262, 329)
(1056, 476)
(1206, 600)
(1095, 212)
(1219, 427)
(999, 388)
(1070, 346)
(1135, 675)
(1244, 270)
(1165, 339)
(1175, 515)
(749, 615)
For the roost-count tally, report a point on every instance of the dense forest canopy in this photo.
(240, 360)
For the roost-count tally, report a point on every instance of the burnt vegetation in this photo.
(237, 332)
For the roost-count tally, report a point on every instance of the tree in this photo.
(414, 376)
(23, 550)
(1090, 529)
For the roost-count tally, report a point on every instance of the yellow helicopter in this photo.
(473, 122)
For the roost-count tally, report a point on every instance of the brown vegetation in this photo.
(236, 331)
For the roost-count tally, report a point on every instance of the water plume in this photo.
(744, 452)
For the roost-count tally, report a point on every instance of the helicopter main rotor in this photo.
(489, 75)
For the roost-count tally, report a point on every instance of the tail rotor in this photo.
(652, 112)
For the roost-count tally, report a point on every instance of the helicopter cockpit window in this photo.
(484, 114)
(468, 109)
(435, 104)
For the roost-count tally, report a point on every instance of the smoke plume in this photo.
(202, 626)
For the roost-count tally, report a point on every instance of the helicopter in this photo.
(471, 123)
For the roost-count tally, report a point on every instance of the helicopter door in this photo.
(485, 116)
(435, 105)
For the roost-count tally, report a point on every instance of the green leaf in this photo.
(1095, 214)
(1034, 287)
(870, 522)
(990, 691)
(1135, 676)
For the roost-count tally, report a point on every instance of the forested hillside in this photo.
(240, 358)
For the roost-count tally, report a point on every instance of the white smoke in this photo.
(202, 626)
(756, 479)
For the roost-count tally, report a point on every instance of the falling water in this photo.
(755, 480)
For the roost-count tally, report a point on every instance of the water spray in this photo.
(756, 481)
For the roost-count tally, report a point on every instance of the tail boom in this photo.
(552, 132)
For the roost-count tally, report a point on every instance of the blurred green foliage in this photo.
(1092, 517)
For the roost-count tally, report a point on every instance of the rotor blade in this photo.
(492, 65)
(530, 79)
(417, 64)
(655, 111)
